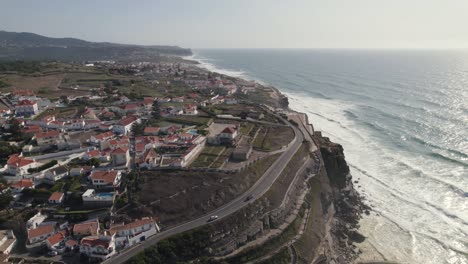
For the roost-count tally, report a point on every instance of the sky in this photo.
(395, 24)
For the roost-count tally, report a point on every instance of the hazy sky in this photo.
(248, 23)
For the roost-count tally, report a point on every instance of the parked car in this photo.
(52, 253)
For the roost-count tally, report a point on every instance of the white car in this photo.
(212, 218)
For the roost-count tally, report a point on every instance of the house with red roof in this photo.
(190, 109)
(97, 139)
(106, 179)
(120, 156)
(41, 233)
(229, 133)
(47, 138)
(31, 130)
(150, 159)
(22, 184)
(148, 103)
(125, 125)
(151, 131)
(18, 165)
(127, 235)
(57, 125)
(130, 108)
(88, 228)
(26, 108)
(98, 247)
(91, 124)
(56, 198)
(56, 242)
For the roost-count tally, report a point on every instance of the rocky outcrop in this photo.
(345, 203)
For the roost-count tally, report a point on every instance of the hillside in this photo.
(30, 46)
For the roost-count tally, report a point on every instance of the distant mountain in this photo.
(30, 46)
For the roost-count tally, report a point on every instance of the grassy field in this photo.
(272, 138)
(208, 156)
(245, 128)
(65, 112)
(190, 120)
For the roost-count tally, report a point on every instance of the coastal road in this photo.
(257, 190)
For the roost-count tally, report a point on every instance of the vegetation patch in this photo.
(272, 244)
(180, 248)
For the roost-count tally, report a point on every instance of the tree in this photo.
(156, 110)
(94, 162)
(138, 129)
(5, 200)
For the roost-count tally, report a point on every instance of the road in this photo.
(257, 190)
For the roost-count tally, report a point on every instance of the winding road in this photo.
(257, 190)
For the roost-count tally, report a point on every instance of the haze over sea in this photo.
(402, 118)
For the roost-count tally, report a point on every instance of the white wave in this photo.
(421, 204)
(417, 197)
(207, 64)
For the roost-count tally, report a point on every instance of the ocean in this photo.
(402, 118)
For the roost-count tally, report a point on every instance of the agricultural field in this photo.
(209, 155)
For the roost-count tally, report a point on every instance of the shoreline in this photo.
(349, 205)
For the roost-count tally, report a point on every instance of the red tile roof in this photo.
(94, 241)
(128, 120)
(71, 243)
(48, 134)
(134, 224)
(151, 130)
(56, 196)
(106, 176)
(87, 228)
(26, 102)
(41, 230)
(24, 183)
(104, 135)
(56, 238)
(16, 160)
(120, 150)
(93, 153)
(229, 130)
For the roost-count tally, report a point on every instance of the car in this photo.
(250, 197)
(212, 218)
(52, 253)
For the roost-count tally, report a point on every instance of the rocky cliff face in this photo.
(342, 207)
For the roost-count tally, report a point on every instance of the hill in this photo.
(30, 46)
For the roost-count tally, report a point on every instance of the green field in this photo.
(208, 156)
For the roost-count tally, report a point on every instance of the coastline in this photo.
(339, 244)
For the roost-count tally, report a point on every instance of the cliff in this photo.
(341, 207)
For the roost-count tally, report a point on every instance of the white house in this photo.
(190, 109)
(129, 234)
(77, 124)
(88, 228)
(22, 184)
(56, 198)
(98, 247)
(56, 242)
(125, 125)
(106, 179)
(40, 233)
(26, 108)
(120, 156)
(7, 241)
(47, 138)
(18, 166)
(56, 173)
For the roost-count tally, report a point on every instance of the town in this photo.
(76, 149)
